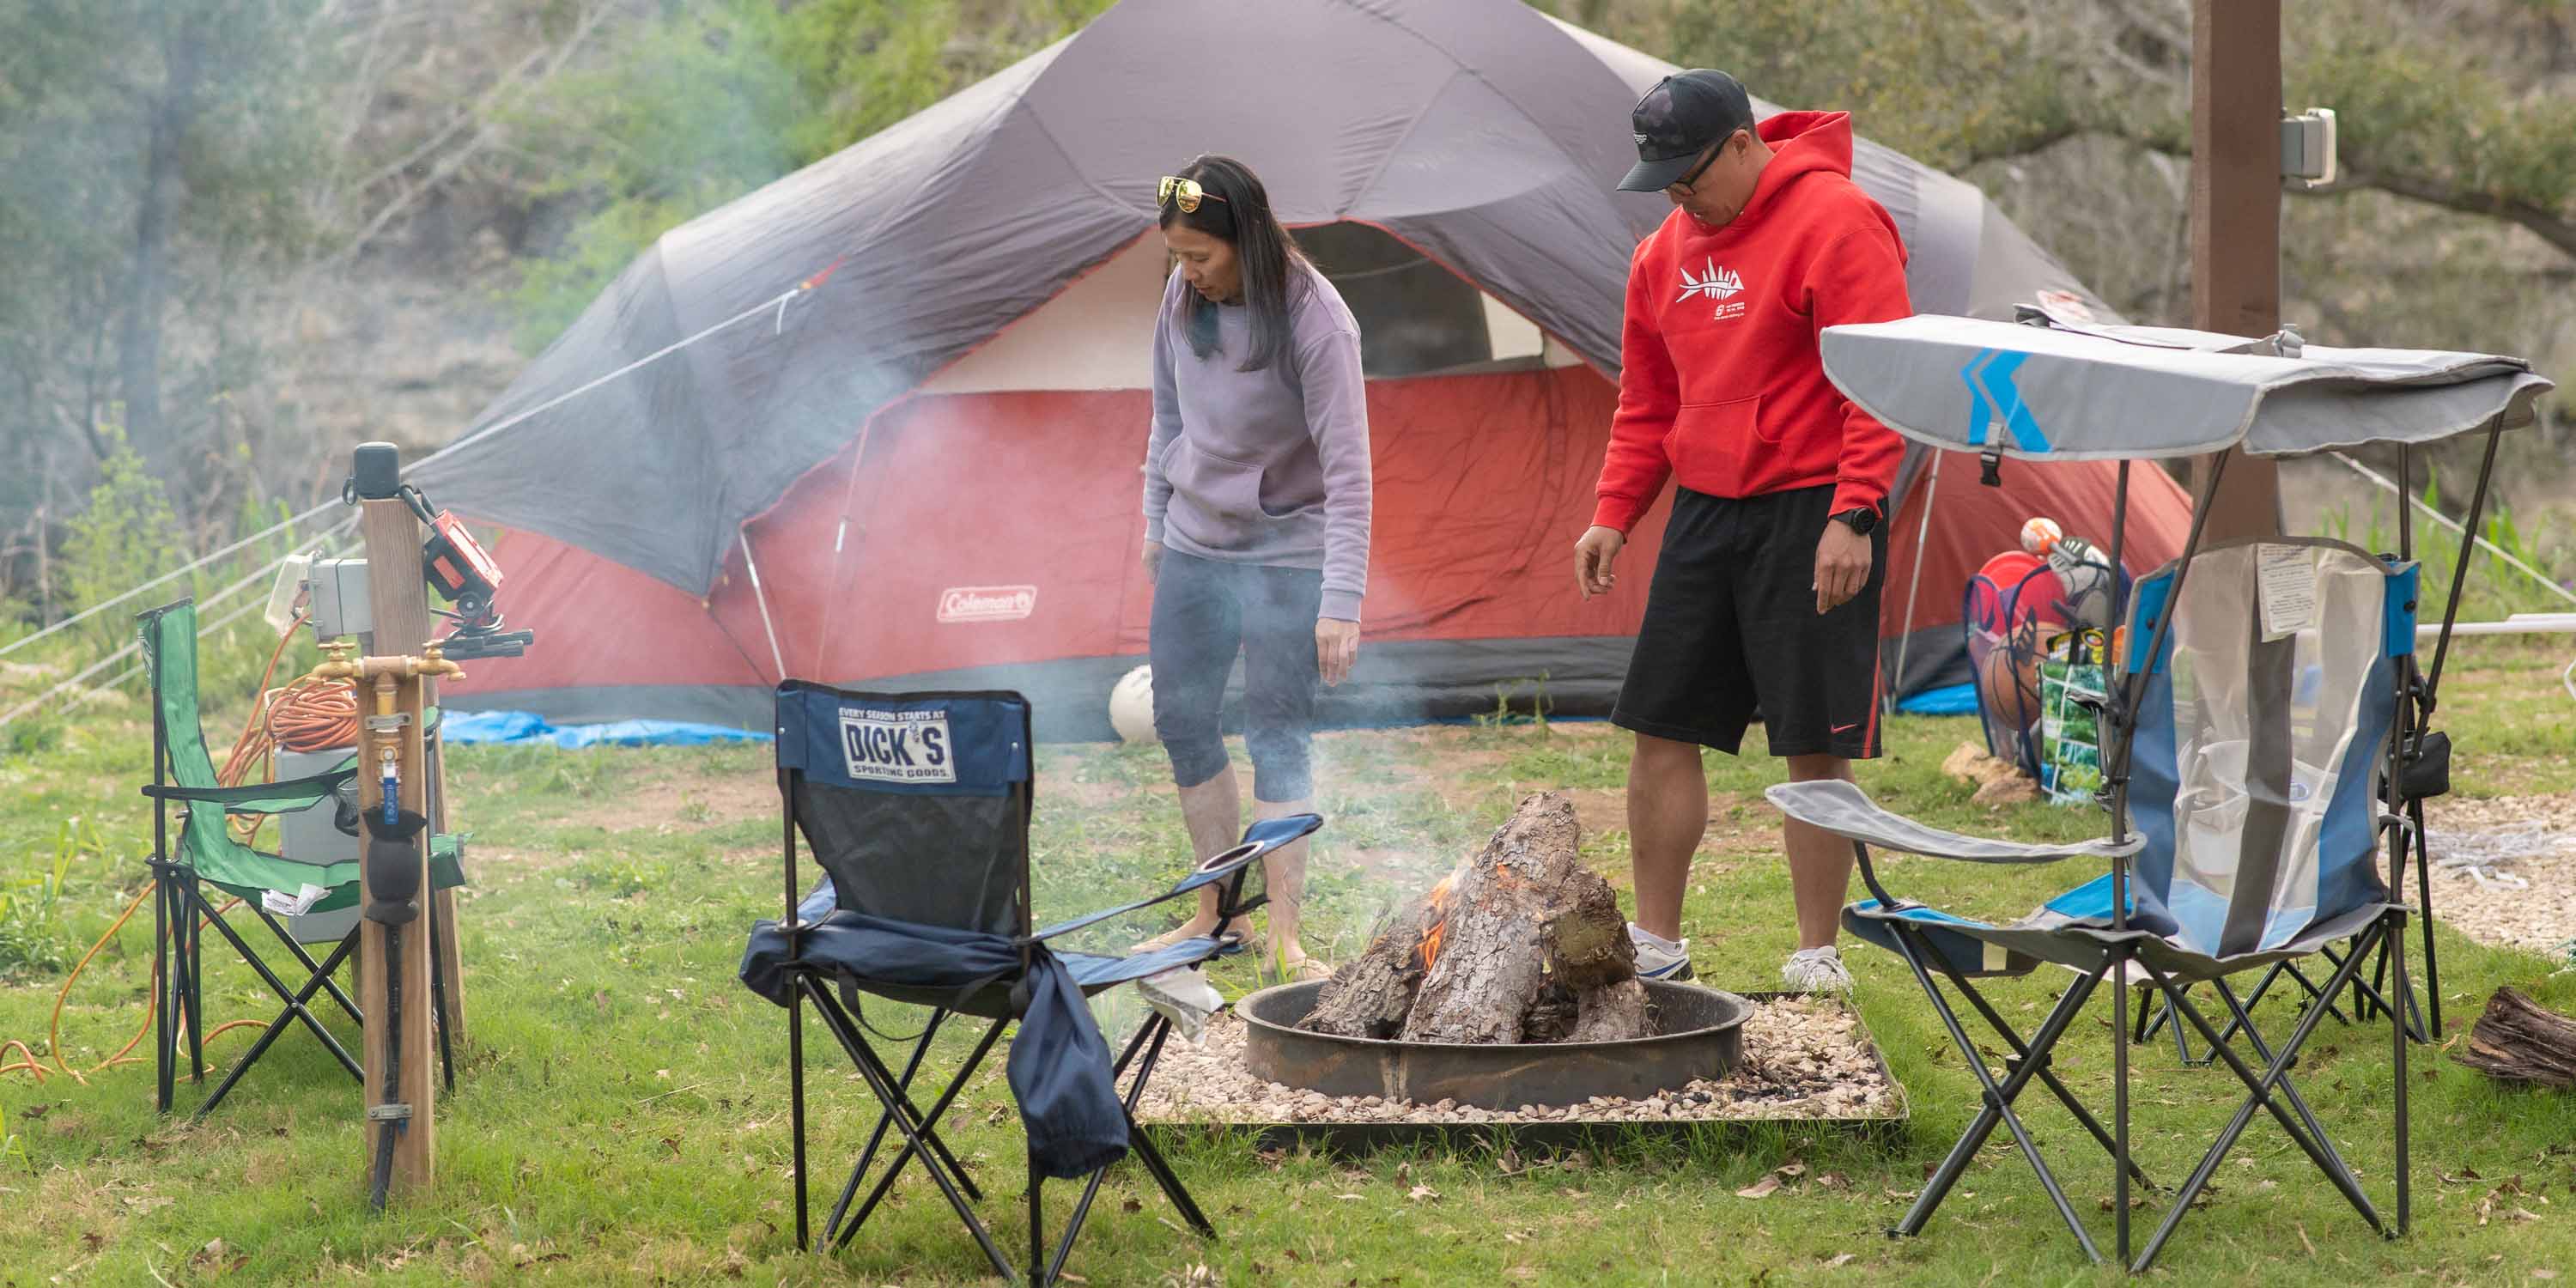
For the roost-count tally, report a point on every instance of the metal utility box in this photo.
(340, 604)
(311, 835)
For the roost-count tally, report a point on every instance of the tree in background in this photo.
(153, 164)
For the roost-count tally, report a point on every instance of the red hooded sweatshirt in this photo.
(1720, 384)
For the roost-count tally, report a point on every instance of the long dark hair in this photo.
(1262, 246)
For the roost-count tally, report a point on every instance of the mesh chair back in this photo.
(2262, 737)
(917, 804)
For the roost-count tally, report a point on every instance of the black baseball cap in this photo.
(1678, 119)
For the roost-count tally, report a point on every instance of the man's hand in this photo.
(1337, 645)
(1592, 557)
(1842, 566)
(1153, 562)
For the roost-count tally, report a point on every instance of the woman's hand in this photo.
(1337, 645)
(1153, 561)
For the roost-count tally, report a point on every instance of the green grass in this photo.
(621, 1108)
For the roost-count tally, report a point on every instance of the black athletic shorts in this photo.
(1731, 631)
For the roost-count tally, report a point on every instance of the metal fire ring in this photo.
(1701, 1035)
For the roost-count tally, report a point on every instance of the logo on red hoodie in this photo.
(1717, 284)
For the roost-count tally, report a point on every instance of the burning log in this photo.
(1370, 997)
(2517, 1041)
(1521, 943)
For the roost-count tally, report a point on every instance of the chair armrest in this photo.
(1258, 841)
(259, 798)
(1843, 809)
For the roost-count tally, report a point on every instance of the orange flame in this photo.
(1439, 901)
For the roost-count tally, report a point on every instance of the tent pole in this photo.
(1905, 624)
(762, 597)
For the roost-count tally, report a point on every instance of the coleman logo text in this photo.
(987, 603)
(897, 746)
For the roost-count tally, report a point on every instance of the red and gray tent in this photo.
(882, 420)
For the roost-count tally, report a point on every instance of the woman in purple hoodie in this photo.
(1256, 516)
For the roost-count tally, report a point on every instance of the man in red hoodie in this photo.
(1765, 595)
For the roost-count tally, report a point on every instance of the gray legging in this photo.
(1203, 611)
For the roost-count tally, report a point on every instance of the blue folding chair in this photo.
(2268, 742)
(917, 807)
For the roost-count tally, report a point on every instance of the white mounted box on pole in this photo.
(2308, 149)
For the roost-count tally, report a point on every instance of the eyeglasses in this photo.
(1185, 193)
(1690, 182)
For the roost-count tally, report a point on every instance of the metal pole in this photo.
(1922, 533)
(762, 597)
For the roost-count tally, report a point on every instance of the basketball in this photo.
(2038, 535)
(1131, 706)
(2007, 692)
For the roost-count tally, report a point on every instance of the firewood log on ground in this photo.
(2518, 1041)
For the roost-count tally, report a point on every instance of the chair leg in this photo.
(1152, 1157)
(295, 1002)
(2289, 1091)
(2424, 893)
(1998, 1100)
(330, 983)
(1157, 1029)
(2047, 1077)
(1037, 1225)
(919, 1137)
(438, 1012)
(2319, 1151)
(2262, 986)
(2121, 1164)
(840, 1234)
(796, 1112)
(165, 1057)
(2396, 933)
(196, 978)
(2164, 1018)
(277, 1026)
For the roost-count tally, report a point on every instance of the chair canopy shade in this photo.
(2055, 391)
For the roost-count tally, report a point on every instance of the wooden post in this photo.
(398, 599)
(2236, 218)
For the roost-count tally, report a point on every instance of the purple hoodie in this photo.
(1247, 467)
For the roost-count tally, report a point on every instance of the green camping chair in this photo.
(207, 855)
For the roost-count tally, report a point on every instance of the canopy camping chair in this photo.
(209, 855)
(2264, 738)
(917, 807)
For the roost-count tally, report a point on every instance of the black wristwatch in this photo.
(1860, 519)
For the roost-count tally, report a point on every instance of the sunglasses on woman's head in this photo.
(1185, 193)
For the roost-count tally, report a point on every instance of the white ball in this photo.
(2040, 534)
(1131, 706)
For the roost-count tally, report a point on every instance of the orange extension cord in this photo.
(306, 715)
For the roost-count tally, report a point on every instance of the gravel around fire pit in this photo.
(1803, 1058)
(2527, 834)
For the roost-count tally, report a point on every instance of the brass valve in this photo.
(344, 664)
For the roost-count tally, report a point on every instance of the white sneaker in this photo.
(1816, 970)
(1655, 961)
